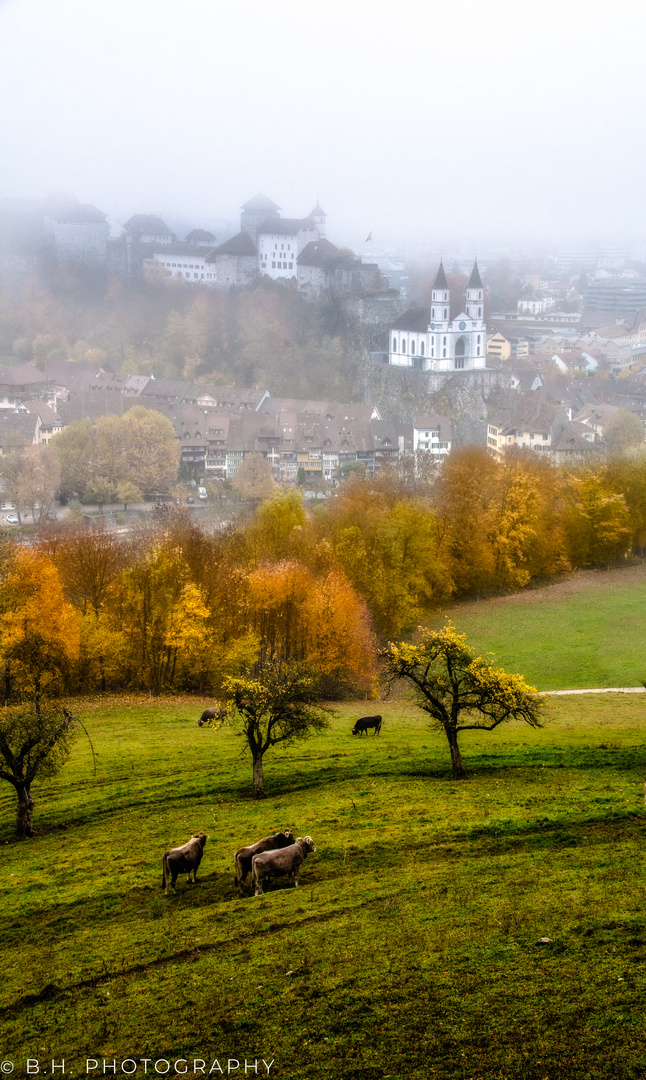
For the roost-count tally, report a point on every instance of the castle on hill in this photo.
(436, 342)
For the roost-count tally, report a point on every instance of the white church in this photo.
(442, 343)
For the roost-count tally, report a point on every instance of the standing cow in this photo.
(220, 712)
(244, 855)
(269, 864)
(183, 860)
(365, 722)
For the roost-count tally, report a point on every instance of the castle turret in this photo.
(318, 216)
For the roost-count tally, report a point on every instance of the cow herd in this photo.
(279, 855)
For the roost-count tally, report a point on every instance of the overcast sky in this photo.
(429, 124)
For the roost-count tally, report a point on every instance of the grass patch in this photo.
(412, 948)
(564, 637)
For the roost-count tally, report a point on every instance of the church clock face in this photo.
(462, 326)
(432, 326)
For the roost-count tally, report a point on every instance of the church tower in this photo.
(475, 303)
(440, 301)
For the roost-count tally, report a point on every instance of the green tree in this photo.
(623, 431)
(76, 452)
(458, 690)
(254, 480)
(35, 742)
(152, 450)
(277, 702)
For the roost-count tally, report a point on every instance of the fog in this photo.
(477, 126)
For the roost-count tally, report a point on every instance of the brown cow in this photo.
(244, 855)
(183, 860)
(220, 712)
(270, 864)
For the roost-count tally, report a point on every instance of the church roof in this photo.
(440, 279)
(260, 202)
(414, 319)
(318, 211)
(474, 280)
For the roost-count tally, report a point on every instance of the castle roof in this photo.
(260, 202)
(242, 244)
(286, 226)
(197, 236)
(318, 253)
(149, 224)
(475, 281)
(440, 279)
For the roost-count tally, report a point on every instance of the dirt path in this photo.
(603, 690)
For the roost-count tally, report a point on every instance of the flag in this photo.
(368, 238)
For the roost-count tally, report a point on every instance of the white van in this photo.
(201, 493)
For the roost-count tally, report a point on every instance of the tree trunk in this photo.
(456, 759)
(258, 787)
(24, 821)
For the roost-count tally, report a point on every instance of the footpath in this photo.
(602, 690)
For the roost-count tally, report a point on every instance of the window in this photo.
(446, 313)
(273, 265)
(412, 348)
(421, 348)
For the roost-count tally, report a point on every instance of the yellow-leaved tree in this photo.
(458, 690)
(39, 628)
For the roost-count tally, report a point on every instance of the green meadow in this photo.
(486, 929)
(585, 635)
(412, 947)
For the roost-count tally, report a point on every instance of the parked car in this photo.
(201, 491)
(12, 519)
(190, 499)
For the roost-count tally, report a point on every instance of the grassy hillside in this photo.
(412, 948)
(589, 631)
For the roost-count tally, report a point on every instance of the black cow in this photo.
(365, 722)
(183, 860)
(220, 712)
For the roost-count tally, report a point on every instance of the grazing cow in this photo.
(365, 722)
(244, 855)
(220, 712)
(271, 864)
(183, 860)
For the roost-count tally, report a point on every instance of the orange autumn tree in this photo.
(321, 622)
(39, 627)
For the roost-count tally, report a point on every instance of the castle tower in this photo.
(256, 213)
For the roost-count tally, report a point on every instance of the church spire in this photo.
(440, 279)
(474, 280)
